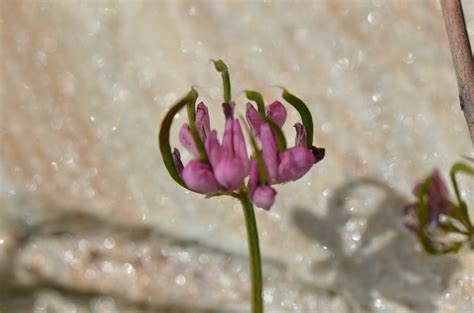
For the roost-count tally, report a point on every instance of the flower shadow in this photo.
(385, 262)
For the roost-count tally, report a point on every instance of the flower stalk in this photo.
(255, 261)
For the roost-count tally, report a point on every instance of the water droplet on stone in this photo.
(373, 18)
(98, 61)
(376, 97)
(187, 45)
(180, 280)
(54, 166)
(409, 58)
(41, 59)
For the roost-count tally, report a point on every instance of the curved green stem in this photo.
(255, 261)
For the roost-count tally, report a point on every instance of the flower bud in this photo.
(264, 197)
(186, 139)
(203, 124)
(230, 172)
(276, 112)
(294, 163)
(199, 177)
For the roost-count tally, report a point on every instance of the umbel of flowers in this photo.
(442, 224)
(224, 166)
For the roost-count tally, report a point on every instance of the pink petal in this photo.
(239, 145)
(186, 139)
(269, 152)
(227, 139)
(294, 163)
(177, 161)
(254, 120)
(228, 108)
(301, 135)
(199, 177)
(276, 112)
(203, 124)
(253, 177)
(264, 197)
(213, 148)
(230, 173)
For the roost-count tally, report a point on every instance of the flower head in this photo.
(433, 195)
(221, 166)
(434, 217)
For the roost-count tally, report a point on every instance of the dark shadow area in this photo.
(386, 262)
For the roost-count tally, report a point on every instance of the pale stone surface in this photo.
(84, 86)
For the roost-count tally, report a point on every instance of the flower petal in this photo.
(203, 124)
(438, 197)
(186, 139)
(301, 135)
(239, 145)
(253, 177)
(227, 139)
(254, 119)
(177, 161)
(264, 197)
(230, 172)
(276, 112)
(213, 149)
(228, 108)
(294, 163)
(269, 152)
(199, 177)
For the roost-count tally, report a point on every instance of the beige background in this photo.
(90, 220)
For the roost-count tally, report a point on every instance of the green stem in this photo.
(255, 261)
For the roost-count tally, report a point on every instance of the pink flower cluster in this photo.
(228, 161)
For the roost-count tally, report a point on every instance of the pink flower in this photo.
(294, 163)
(203, 127)
(199, 177)
(437, 203)
(290, 164)
(262, 196)
(228, 162)
(275, 111)
(223, 166)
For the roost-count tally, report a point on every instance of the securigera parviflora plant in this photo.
(441, 224)
(224, 168)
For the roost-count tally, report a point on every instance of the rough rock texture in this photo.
(90, 221)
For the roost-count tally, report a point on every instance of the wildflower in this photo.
(437, 202)
(226, 164)
(289, 164)
(435, 217)
(262, 195)
(275, 111)
(229, 160)
(221, 167)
